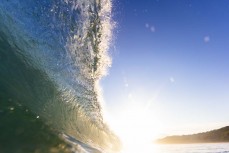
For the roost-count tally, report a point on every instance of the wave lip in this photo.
(55, 53)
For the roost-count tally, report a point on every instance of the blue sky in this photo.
(171, 57)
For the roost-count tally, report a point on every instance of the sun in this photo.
(136, 126)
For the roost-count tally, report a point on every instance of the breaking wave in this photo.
(53, 54)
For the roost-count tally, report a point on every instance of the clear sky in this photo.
(171, 62)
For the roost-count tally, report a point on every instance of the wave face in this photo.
(52, 56)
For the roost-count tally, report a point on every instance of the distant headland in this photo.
(214, 136)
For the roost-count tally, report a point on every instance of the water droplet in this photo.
(152, 29)
(206, 39)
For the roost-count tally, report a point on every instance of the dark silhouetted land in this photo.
(214, 136)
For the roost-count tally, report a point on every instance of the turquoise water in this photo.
(52, 57)
(24, 132)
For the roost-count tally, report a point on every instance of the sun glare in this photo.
(136, 126)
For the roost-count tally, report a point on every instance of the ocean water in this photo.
(191, 148)
(177, 148)
(53, 54)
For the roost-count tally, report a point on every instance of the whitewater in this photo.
(52, 57)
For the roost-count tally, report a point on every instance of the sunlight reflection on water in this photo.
(178, 148)
(139, 148)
